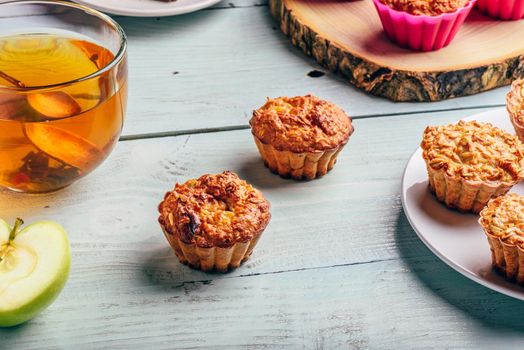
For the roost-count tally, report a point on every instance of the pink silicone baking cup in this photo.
(421, 33)
(502, 9)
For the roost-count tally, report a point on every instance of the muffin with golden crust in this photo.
(300, 137)
(503, 222)
(515, 107)
(214, 222)
(426, 7)
(471, 162)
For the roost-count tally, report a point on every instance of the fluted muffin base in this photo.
(463, 195)
(299, 166)
(519, 129)
(214, 258)
(507, 259)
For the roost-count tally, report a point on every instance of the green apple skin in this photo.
(47, 244)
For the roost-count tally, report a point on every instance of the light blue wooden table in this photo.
(339, 267)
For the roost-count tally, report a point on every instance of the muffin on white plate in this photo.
(503, 222)
(515, 107)
(470, 163)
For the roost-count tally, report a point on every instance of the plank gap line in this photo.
(244, 127)
(357, 263)
(465, 108)
(229, 5)
(182, 132)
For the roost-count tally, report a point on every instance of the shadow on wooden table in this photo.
(34, 206)
(256, 173)
(162, 268)
(489, 308)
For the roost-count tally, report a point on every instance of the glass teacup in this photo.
(63, 92)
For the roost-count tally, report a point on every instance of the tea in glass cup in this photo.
(63, 92)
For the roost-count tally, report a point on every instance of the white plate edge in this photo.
(444, 258)
(151, 13)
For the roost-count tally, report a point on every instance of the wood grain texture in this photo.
(125, 191)
(398, 304)
(347, 38)
(212, 68)
(338, 266)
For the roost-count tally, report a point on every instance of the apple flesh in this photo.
(34, 267)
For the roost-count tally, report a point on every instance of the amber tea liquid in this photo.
(49, 137)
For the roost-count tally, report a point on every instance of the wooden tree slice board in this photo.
(347, 38)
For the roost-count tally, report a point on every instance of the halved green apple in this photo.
(34, 267)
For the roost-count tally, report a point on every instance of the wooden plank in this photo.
(212, 68)
(111, 215)
(127, 290)
(401, 304)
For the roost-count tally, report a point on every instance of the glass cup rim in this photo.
(118, 57)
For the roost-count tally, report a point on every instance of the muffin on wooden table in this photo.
(503, 222)
(470, 163)
(214, 222)
(515, 107)
(300, 137)
(423, 25)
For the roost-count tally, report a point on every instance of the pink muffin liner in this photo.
(422, 33)
(502, 9)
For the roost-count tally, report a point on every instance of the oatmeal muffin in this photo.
(300, 137)
(426, 7)
(515, 107)
(471, 162)
(214, 222)
(503, 222)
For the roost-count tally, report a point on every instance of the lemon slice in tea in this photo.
(56, 104)
(63, 145)
(42, 60)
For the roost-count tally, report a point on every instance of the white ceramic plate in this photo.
(147, 8)
(455, 238)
